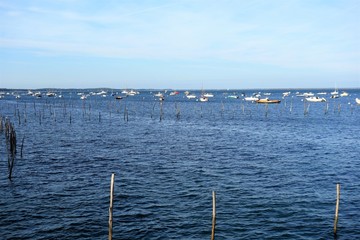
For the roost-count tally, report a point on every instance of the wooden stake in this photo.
(213, 216)
(22, 146)
(337, 207)
(111, 205)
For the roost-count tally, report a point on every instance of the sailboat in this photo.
(204, 96)
(335, 92)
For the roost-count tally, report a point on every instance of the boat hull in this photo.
(315, 99)
(268, 101)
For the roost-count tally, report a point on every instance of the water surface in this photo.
(274, 168)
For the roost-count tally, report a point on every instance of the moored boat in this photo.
(191, 96)
(174, 93)
(266, 100)
(286, 94)
(203, 99)
(251, 99)
(344, 94)
(357, 100)
(132, 93)
(306, 94)
(233, 96)
(335, 92)
(159, 94)
(208, 95)
(315, 99)
(50, 94)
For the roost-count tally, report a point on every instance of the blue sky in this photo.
(182, 44)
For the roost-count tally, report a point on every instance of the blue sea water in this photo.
(274, 168)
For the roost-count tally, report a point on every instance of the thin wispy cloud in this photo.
(288, 34)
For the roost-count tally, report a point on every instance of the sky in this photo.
(180, 44)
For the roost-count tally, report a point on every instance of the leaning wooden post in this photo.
(111, 205)
(337, 207)
(213, 216)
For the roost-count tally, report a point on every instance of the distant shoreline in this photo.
(179, 89)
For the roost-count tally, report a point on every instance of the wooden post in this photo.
(22, 146)
(337, 207)
(161, 110)
(213, 216)
(111, 205)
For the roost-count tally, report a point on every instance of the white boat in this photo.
(251, 99)
(37, 95)
(191, 96)
(174, 93)
(208, 95)
(315, 99)
(101, 93)
(286, 94)
(344, 94)
(321, 93)
(336, 92)
(83, 97)
(308, 94)
(203, 99)
(233, 96)
(357, 100)
(132, 93)
(50, 94)
(159, 94)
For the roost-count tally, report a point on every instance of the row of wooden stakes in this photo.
(213, 209)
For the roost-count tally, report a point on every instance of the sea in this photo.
(274, 168)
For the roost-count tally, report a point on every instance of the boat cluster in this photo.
(257, 97)
(311, 97)
(84, 96)
(37, 94)
(204, 97)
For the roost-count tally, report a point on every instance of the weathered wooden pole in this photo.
(161, 111)
(213, 216)
(22, 146)
(337, 207)
(266, 109)
(111, 205)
